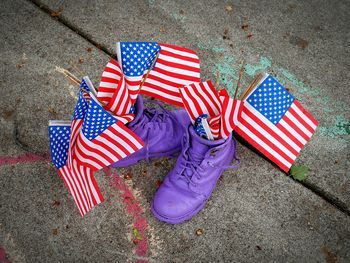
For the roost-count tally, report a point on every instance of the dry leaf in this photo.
(56, 13)
(245, 27)
(56, 203)
(199, 232)
(128, 176)
(228, 8)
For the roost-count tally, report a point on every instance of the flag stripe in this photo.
(175, 67)
(76, 190)
(306, 115)
(267, 138)
(163, 96)
(180, 51)
(62, 173)
(262, 147)
(275, 133)
(82, 185)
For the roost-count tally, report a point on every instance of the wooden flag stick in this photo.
(241, 73)
(68, 75)
(217, 80)
(149, 70)
(251, 86)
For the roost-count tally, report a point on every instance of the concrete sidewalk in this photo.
(256, 214)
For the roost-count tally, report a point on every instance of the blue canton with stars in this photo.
(96, 120)
(80, 107)
(59, 143)
(271, 99)
(137, 57)
(84, 85)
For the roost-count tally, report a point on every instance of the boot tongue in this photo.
(198, 148)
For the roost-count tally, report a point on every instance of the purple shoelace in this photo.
(153, 116)
(191, 167)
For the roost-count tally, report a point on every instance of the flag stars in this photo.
(271, 99)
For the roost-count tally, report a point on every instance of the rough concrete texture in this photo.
(256, 214)
(304, 43)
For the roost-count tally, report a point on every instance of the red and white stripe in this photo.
(175, 67)
(200, 98)
(113, 92)
(214, 125)
(82, 186)
(281, 143)
(125, 118)
(114, 144)
(74, 131)
(231, 109)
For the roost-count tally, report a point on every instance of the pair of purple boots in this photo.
(187, 188)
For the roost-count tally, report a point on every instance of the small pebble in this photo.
(199, 232)
(228, 8)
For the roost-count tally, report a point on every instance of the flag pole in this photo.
(149, 70)
(69, 75)
(251, 86)
(241, 73)
(217, 80)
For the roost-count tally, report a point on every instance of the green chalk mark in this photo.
(178, 17)
(211, 46)
(218, 49)
(303, 88)
(251, 70)
(228, 73)
(340, 127)
(151, 2)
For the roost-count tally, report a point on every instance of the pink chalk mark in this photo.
(3, 257)
(24, 158)
(133, 209)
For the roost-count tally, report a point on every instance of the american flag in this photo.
(103, 139)
(200, 98)
(78, 117)
(112, 91)
(231, 110)
(78, 179)
(87, 86)
(175, 67)
(275, 123)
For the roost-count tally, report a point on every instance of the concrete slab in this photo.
(305, 44)
(255, 214)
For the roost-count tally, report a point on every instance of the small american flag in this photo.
(202, 98)
(231, 109)
(103, 139)
(87, 85)
(113, 92)
(175, 67)
(78, 179)
(275, 123)
(77, 121)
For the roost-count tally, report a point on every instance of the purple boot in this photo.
(162, 132)
(187, 188)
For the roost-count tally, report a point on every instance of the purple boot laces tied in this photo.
(160, 129)
(192, 160)
(153, 117)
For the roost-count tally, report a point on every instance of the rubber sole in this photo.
(176, 221)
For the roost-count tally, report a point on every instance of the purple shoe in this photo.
(187, 188)
(162, 132)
